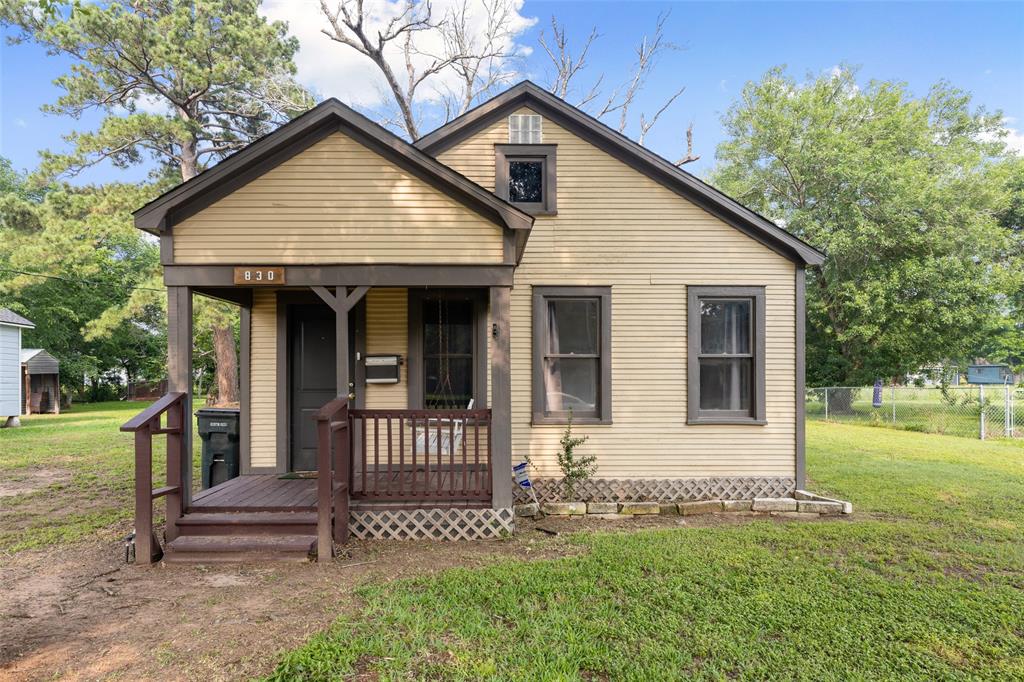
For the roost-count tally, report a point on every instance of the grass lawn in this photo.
(926, 582)
(73, 475)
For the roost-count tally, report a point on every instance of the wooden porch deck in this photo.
(262, 492)
(275, 493)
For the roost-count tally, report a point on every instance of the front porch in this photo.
(327, 452)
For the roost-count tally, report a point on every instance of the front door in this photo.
(312, 352)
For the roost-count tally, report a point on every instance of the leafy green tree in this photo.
(67, 257)
(1005, 342)
(180, 82)
(897, 191)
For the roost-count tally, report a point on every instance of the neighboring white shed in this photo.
(11, 401)
(41, 381)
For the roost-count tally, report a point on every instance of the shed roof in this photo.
(629, 152)
(14, 319)
(38, 361)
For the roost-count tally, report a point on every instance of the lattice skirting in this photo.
(662, 489)
(431, 524)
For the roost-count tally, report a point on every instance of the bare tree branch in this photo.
(347, 25)
(476, 59)
(485, 59)
(568, 68)
(646, 125)
(689, 157)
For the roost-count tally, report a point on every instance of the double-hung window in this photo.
(572, 354)
(725, 352)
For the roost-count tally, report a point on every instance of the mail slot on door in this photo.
(383, 369)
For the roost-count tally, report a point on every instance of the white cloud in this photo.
(151, 104)
(1012, 138)
(21, 123)
(335, 70)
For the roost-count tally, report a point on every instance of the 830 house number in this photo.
(255, 276)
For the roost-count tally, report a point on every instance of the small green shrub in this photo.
(575, 468)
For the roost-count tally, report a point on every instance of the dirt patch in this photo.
(30, 481)
(81, 613)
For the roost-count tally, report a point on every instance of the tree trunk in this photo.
(227, 366)
(189, 153)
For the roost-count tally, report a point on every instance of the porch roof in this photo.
(159, 215)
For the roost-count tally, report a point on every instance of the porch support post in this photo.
(244, 387)
(501, 399)
(342, 302)
(179, 376)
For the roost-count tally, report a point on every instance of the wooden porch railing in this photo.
(333, 467)
(145, 425)
(416, 456)
(421, 455)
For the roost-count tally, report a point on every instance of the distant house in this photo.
(41, 379)
(11, 325)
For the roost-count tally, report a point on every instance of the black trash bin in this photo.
(218, 428)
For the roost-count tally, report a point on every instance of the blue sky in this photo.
(976, 46)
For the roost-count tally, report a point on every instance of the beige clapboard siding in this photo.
(616, 227)
(337, 202)
(387, 322)
(263, 379)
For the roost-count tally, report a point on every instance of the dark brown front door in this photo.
(312, 351)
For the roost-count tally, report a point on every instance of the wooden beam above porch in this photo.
(341, 301)
(420, 275)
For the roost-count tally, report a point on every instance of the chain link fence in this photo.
(968, 411)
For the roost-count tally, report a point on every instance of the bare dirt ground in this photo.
(80, 613)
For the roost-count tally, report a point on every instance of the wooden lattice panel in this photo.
(662, 489)
(431, 524)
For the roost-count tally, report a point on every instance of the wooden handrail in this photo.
(332, 470)
(330, 409)
(152, 412)
(145, 425)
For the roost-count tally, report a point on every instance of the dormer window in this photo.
(525, 176)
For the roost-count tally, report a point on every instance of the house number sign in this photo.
(259, 275)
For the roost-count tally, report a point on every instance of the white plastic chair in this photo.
(449, 438)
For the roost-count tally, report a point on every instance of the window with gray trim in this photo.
(725, 350)
(525, 175)
(571, 354)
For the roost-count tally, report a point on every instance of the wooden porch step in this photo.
(247, 523)
(239, 548)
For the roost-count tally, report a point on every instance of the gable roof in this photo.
(15, 320)
(626, 150)
(38, 361)
(330, 116)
